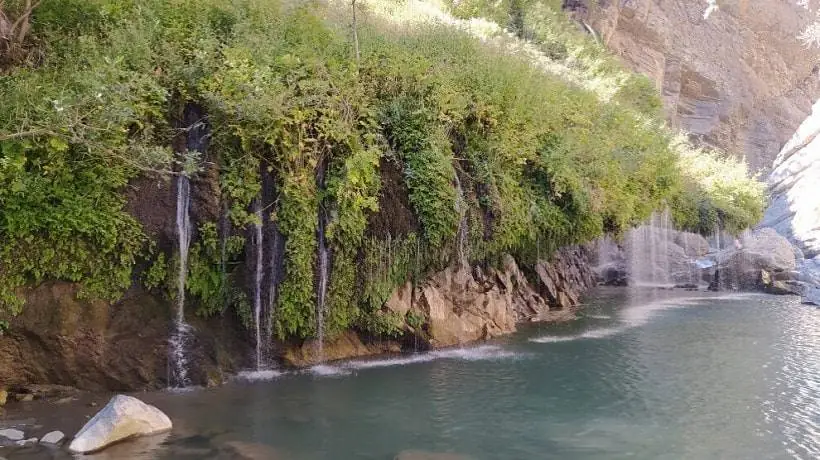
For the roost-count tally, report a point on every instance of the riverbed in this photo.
(648, 374)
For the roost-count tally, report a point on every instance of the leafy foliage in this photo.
(494, 143)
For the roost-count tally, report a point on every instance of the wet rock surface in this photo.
(94, 345)
(463, 304)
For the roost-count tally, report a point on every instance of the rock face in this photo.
(122, 418)
(739, 80)
(795, 205)
(794, 211)
(464, 304)
(94, 345)
(763, 260)
(347, 345)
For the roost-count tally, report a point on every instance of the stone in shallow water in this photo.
(122, 418)
(423, 455)
(12, 434)
(54, 437)
(28, 442)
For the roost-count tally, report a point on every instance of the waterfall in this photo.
(178, 344)
(323, 265)
(184, 240)
(275, 247)
(258, 245)
(197, 137)
(648, 251)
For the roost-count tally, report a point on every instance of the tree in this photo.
(14, 29)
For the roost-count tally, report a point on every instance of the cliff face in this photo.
(739, 80)
(794, 211)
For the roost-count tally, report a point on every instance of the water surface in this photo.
(691, 376)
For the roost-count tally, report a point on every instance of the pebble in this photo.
(27, 442)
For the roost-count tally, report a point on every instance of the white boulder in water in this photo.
(122, 418)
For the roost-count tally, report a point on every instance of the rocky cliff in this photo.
(90, 344)
(794, 211)
(739, 80)
(463, 304)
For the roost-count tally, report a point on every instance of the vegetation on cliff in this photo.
(497, 153)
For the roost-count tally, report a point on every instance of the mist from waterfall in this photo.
(648, 252)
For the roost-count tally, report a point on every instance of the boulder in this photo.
(122, 418)
(401, 301)
(743, 266)
(12, 435)
(693, 245)
(53, 437)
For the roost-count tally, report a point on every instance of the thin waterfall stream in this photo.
(178, 361)
(323, 267)
(258, 245)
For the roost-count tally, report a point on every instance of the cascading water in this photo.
(275, 247)
(258, 244)
(197, 135)
(648, 252)
(323, 266)
(178, 344)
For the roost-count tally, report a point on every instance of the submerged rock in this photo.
(423, 455)
(12, 434)
(122, 418)
(54, 437)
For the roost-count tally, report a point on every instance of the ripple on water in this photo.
(631, 317)
(795, 395)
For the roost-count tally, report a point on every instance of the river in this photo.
(662, 376)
